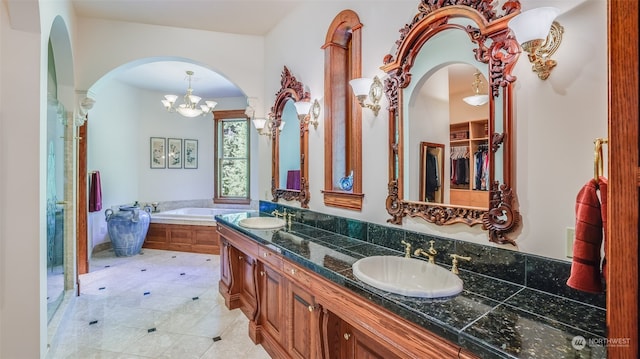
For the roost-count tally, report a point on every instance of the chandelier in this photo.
(477, 99)
(190, 106)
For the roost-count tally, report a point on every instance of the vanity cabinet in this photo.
(296, 313)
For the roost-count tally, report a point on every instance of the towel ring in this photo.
(598, 164)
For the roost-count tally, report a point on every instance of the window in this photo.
(232, 157)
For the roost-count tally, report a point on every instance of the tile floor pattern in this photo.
(159, 304)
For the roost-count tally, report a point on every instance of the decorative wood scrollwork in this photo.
(502, 217)
(495, 47)
(291, 90)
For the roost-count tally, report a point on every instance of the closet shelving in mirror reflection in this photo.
(484, 41)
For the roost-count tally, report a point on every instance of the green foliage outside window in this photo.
(233, 164)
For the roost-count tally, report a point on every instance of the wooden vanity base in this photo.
(295, 313)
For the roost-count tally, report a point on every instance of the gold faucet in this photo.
(407, 249)
(454, 262)
(430, 253)
(289, 216)
(277, 214)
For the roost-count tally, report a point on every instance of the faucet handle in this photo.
(428, 254)
(407, 248)
(432, 250)
(454, 262)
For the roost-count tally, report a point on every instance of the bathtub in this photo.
(186, 230)
(192, 216)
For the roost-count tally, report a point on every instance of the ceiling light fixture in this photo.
(476, 99)
(190, 106)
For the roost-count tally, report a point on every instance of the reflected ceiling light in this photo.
(308, 112)
(190, 106)
(477, 99)
(539, 35)
(365, 87)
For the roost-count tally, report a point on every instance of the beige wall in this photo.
(556, 120)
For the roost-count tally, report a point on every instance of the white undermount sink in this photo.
(262, 222)
(407, 276)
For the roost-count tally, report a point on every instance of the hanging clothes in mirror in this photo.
(432, 183)
(481, 163)
(460, 166)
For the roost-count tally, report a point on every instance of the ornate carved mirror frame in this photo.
(290, 90)
(495, 46)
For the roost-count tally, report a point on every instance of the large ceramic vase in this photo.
(127, 229)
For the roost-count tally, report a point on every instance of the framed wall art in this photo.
(190, 153)
(174, 153)
(157, 152)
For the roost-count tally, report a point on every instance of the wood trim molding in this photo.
(342, 62)
(623, 193)
(82, 241)
(343, 199)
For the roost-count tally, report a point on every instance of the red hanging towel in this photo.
(95, 192)
(603, 183)
(585, 268)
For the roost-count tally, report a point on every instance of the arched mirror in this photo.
(449, 87)
(289, 168)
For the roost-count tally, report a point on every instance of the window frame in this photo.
(219, 117)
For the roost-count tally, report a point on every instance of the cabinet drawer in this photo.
(273, 259)
(298, 275)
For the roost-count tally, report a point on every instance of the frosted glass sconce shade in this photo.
(540, 36)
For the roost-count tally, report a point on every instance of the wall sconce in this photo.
(539, 35)
(308, 113)
(365, 87)
(264, 126)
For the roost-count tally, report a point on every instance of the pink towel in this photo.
(95, 192)
(585, 268)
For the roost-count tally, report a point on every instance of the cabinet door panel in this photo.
(303, 332)
(272, 305)
(360, 345)
(248, 291)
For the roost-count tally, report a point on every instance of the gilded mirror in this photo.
(441, 37)
(289, 137)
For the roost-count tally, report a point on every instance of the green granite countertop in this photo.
(491, 318)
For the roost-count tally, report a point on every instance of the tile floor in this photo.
(159, 304)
